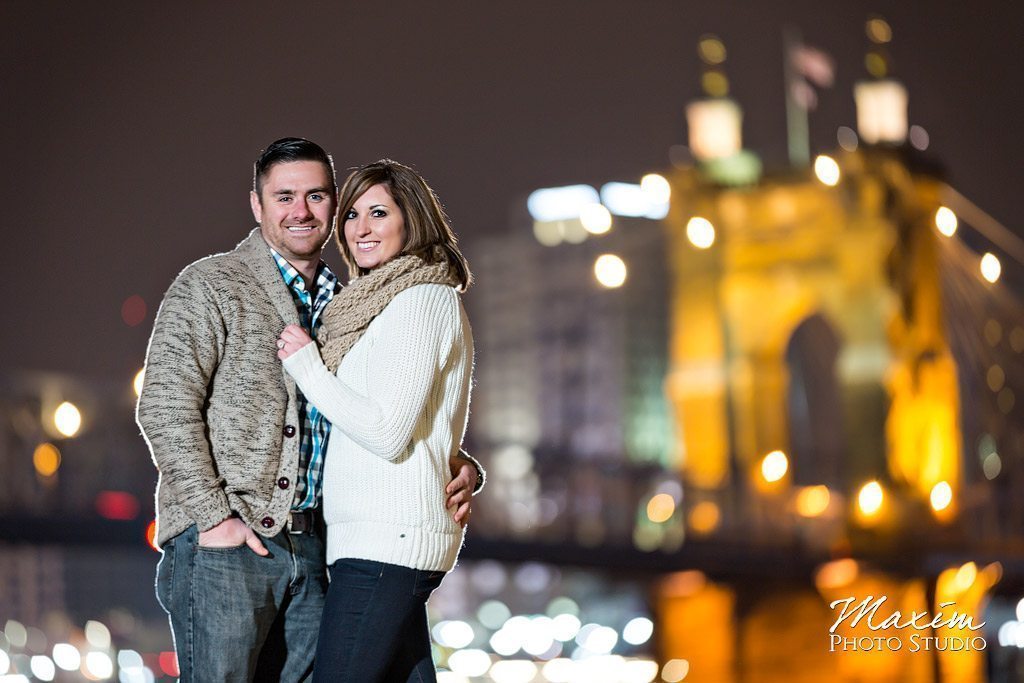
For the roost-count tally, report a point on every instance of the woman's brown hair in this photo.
(428, 233)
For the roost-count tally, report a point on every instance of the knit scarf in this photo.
(352, 309)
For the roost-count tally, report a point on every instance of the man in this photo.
(238, 448)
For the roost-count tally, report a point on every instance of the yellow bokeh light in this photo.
(1017, 339)
(1005, 400)
(711, 49)
(675, 670)
(991, 269)
(878, 30)
(774, 466)
(836, 574)
(876, 65)
(656, 187)
(715, 83)
(827, 170)
(870, 498)
(596, 219)
(965, 577)
(700, 232)
(705, 517)
(946, 221)
(140, 377)
(996, 378)
(46, 459)
(941, 496)
(548, 233)
(812, 501)
(660, 508)
(67, 419)
(610, 270)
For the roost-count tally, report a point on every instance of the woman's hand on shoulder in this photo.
(291, 340)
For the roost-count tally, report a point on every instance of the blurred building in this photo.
(839, 369)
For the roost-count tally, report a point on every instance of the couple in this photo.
(371, 414)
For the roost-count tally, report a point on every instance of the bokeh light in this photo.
(941, 496)
(870, 498)
(995, 378)
(151, 535)
(97, 634)
(991, 269)
(493, 613)
(660, 508)
(67, 656)
(470, 663)
(675, 670)
(774, 466)
(700, 232)
(946, 221)
(42, 668)
(836, 574)
(656, 187)
(596, 219)
(98, 665)
(46, 459)
(610, 270)
(812, 501)
(140, 377)
(705, 517)
(919, 138)
(711, 49)
(67, 419)
(847, 138)
(878, 30)
(638, 631)
(827, 170)
(133, 310)
(119, 505)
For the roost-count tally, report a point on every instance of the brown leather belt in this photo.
(302, 521)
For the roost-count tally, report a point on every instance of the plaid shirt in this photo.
(315, 429)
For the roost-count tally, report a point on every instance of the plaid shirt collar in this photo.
(326, 280)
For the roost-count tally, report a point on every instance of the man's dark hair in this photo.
(290, 149)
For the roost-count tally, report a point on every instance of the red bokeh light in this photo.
(133, 310)
(117, 505)
(169, 663)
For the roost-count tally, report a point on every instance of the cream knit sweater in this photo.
(398, 409)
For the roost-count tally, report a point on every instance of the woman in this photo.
(401, 345)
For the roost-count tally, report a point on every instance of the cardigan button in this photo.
(283, 483)
(289, 431)
(267, 522)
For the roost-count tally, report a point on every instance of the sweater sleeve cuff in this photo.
(481, 473)
(304, 364)
(210, 510)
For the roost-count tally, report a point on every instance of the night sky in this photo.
(129, 128)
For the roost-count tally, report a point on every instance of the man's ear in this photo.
(257, 207)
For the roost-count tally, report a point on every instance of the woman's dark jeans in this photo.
(374, 626)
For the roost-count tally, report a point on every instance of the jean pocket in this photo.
(165, 575)
(356, 573)
(427, 582)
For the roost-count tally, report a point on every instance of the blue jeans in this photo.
(237, 616)
(374, 628)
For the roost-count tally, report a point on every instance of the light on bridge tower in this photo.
(882, 101)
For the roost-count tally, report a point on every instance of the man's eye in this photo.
(284, 198)
(316, 197)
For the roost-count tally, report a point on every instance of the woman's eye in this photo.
(350, 215)
(379, 213)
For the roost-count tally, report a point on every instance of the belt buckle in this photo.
(290, 524)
